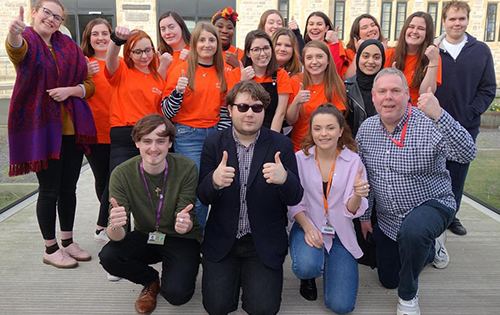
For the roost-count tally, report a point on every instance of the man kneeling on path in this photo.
(159, 189)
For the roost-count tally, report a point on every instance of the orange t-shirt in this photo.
(409, 72)
(200, 108)
(349, 58)
(134, 95)
(99, 103)
(283, 81)
(176, 60)
(301, 126)
(234, 50)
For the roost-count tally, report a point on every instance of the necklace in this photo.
(204, 73)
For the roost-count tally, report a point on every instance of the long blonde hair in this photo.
(193, 56)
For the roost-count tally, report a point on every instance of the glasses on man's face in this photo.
(57, 18)
(138, 52)
(258, 50)
(243, 108)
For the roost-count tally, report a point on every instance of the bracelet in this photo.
(117, 40)
(428, 66)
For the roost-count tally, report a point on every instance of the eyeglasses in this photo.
(57, 18)
(243, 108)
(258, 50)
(138, 52)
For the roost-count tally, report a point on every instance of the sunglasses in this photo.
(243, 108)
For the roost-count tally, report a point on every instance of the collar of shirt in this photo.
(237, 141)
(344, 154)
(399, 126)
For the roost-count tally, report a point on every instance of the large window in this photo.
(432, 9)
(338, 17)
(491, 18)
(400, 18)
(283, 7)
(385, 19)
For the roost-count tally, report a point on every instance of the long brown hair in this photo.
(402, 49)
(272, 66)
(130, 45)
(87, 48)
(293, 66)
(346, 140)
(334, 87)
(263, 18)
(355, 30)
(186, 36)
(193, 56)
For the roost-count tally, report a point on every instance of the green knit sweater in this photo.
(127, 187)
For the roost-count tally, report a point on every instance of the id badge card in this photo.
(328, 230)
(156, 238)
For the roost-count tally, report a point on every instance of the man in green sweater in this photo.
(159, 189)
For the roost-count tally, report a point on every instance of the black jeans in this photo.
(242, 267)
(57, 189)
(99, 162)
(131, 257)
(122, 148)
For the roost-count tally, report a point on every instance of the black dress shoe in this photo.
(457, 228)
(308, 289)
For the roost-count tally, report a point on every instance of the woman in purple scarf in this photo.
(44, 135)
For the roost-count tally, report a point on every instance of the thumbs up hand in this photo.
(17, 25)
(292, 24)
(247, 73)
(93, 66)
(303, 96)
(183, 223)
(432, 53)
(361, 186)
(223, 176)
(232, 59)
(182, 83)
(429, 104)
(117, 215)
(165, 59)
(184, 54)
(332, 36)
(124, 33)
(275, 173)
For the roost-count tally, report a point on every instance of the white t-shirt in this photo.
(453, 49)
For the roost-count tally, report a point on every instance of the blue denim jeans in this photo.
(399, 263)
(339, 269)
(189, 143)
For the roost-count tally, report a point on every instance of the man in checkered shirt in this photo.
(405, 150)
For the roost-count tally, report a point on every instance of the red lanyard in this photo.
(330, 178)
(403, 133)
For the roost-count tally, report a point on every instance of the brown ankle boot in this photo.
(146, 302)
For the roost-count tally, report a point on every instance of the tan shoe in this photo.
(59, 259)
(146, 302)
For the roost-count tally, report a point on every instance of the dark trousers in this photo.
(57, 189)
(131, 257)
(122, 148)
(242, 267)
(458, 173)
(400, 262)
(99, 162)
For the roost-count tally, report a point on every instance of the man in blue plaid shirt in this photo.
(404, 150)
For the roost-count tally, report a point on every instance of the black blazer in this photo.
(265, 201)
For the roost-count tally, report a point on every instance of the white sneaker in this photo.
(441, 257)
(113, 278)
(101, 237)
(408, 307)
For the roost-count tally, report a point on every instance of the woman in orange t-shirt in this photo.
(225, 22)
(195, 97)
(261, 66)
(95, 40)
(174, 40)
(364, 27)
(416, 56)
(319, 84)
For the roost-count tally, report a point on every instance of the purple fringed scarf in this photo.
(35, 127)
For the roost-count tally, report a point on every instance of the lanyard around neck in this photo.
(403, 133)
(330, 178)
(160, 203)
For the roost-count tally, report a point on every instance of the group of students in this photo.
(87, 100)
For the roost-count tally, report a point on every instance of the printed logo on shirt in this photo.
(157, 91)
(217, 85)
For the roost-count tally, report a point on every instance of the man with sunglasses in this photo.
(247, 174)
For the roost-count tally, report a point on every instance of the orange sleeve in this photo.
(349, 58)
(389, 57)
(115, 79)
(439, 78)
(283, 82)
(232, 77)
(295, 82)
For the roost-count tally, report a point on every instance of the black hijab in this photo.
(365, 81)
